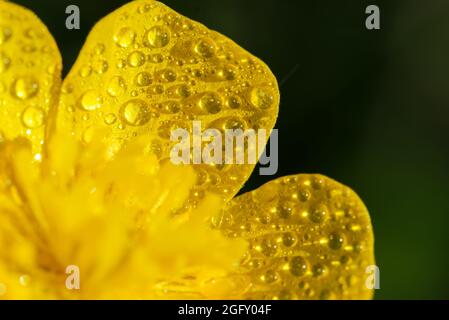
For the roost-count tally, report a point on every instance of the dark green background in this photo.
(368, 108)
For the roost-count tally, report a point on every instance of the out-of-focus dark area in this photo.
(367, 108)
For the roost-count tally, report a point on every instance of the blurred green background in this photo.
(367, 108)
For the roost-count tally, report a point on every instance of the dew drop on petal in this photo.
(116, 86)
(136, 59)
(91, 100)
(158, 36)
(210, 103)
(135, 112)
(205, 48)
(25, 88)
(33, 117)
(261, 98)
(125, 37)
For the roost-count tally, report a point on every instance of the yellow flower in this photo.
(90, 205)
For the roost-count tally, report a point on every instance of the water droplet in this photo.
(183, 91)
(336, 241)
(157, 58)
(304, 195)
(143, 79)
(169, 75)
(171, 107)
(318, 214)
(121, 64)
(318, 270)
(136, 59)
(125, 37)
(116, 86)
(157, 89)
(135, 112)
(101, 66)
(261, 98)
(234, 102)
(5, 34)
(298, 266)
(99, 48)
(88, 135)
(85, 71)
(205, 48)
(158, 36)
(5, 62)
(269, 247)
(234, 123)
(33, 117)
(110, 118)
(286, 210)
(91, 100)
(210, 103)
(270, 276)
(227, 73)
(288, 239)
(317, 183)
(25, 88)
(24, 280)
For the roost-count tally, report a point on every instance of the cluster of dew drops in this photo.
(167, 73)
(307, 236)
(22, 93)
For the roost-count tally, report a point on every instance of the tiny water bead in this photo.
(288, 239)
(205, 48)
(101, 66)
(261, 98)
(110, 118)
(171, 107)
(125, 37)
(318, 214)
(91, 100)
(234, 123)
(234, 102)
(135, 112)
(183, 91)
(318, 270)
(169, 75)
(336, 241)
(33, 117)
(5, 62)
(269, 247)
(85, 71)
(136, 59)
(24, 280)
(158, 36)
(270, 276)
(210, 102)
(116, 86)
(25, 87)
(143, 79)
(5, 34)
(298, 266)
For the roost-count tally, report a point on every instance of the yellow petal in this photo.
(30, 74)
(309, 236)
(146, 69)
